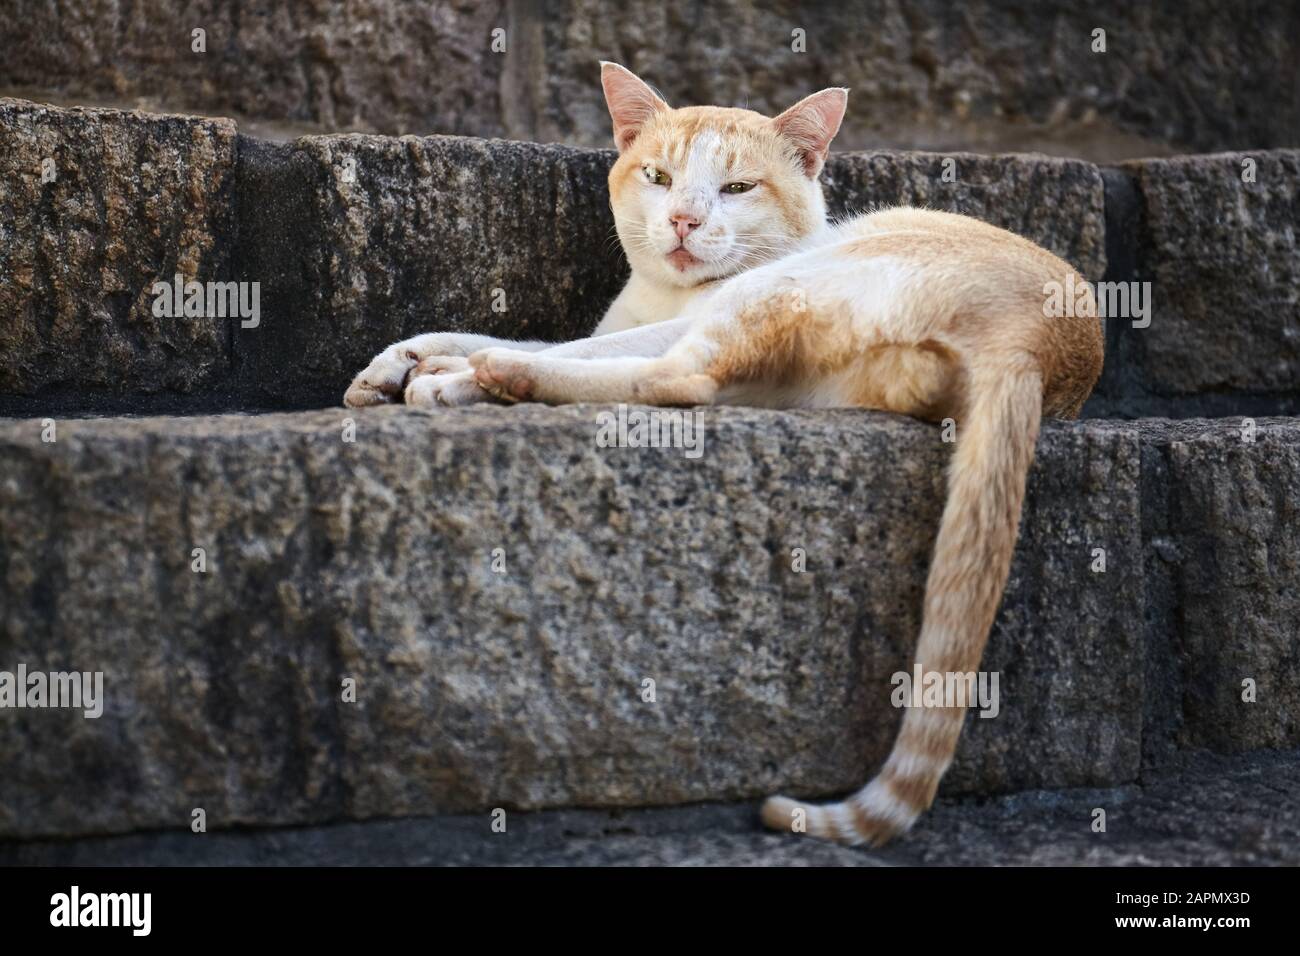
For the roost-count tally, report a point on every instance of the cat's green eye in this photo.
(737, 188)
(655, 177)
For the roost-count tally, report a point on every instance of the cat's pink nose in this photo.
(683, 224)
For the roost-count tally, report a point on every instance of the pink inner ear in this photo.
(625, 135)
(631, 103)
(812, 123)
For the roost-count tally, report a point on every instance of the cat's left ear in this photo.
(812, 123)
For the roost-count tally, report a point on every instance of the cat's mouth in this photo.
(682, 259)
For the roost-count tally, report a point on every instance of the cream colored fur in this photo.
(742, 293)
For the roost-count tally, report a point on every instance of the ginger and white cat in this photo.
(741, 292)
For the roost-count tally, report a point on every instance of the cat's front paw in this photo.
(449, 389)
(382, 381)
(438, 365)
(506, 373)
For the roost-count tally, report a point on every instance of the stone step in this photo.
(366, 546)
(1207, 811)
(357, 241)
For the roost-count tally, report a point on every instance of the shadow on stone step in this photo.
(1208, 811)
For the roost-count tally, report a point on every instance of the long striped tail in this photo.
(972, 557)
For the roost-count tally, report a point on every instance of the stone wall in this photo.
(356, 241)
(991, 76)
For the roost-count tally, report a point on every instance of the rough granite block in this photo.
(95, 207)
(373, 560)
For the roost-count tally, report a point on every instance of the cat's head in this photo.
(705, 192)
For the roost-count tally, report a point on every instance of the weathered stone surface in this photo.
(1223, 258)
(1208, 811)
(372, 559)
(1058, 203)
(394, 66)
(992, 76)
(1231, 540)
(360, 241)
(95, 207)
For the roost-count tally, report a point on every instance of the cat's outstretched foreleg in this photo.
(721, 339)
(456, 387)
(383, 380)
(676, 378)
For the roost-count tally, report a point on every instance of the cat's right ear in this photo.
(630, 100)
